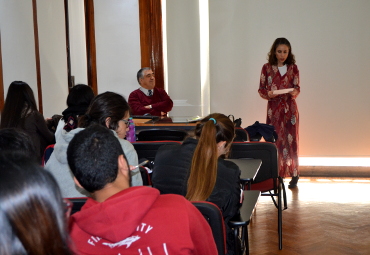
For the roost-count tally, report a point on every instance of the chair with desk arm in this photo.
(161, 134)
(239, 223)
(148, 150)
(267, 180)
(213, 215)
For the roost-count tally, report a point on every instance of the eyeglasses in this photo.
(127, 122)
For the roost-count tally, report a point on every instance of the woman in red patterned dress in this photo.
(279, 73)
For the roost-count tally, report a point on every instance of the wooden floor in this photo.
(324, 216)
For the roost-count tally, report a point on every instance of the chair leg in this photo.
(246, 244)
(280, 218)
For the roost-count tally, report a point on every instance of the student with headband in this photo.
(195, 169)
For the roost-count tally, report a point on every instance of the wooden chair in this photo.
(267, 180)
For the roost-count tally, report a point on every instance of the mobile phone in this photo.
(142, 163)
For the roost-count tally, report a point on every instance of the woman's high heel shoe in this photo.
(293, 182)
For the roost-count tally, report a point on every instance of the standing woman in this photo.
(20, 111)
(281, 72)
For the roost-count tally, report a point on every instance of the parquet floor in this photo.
(324, 216)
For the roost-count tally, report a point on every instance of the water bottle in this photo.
(131, 134)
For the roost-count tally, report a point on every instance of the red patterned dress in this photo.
(282, 113)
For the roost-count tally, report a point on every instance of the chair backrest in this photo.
(47, 153)
(148, 149)
(241, 135)
(265, 151)
(78, 202)
(161, 134)
(214, 218)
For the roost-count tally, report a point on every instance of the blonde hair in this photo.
(211, 130)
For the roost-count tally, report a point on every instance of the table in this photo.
(248, 169)
(164, 123)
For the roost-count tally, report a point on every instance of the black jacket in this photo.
(171, 172)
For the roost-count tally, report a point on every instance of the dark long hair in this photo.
(203, 172)
(19, 103)
(78, 100)
(17, 140)
(106, 105)
(32, 212)
(271, 57)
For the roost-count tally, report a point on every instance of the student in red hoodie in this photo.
(119, 219)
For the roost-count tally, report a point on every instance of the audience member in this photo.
(148, 99)
(195, 169)
(13, 139)
(78, 100)
(109, 110)
(118, 219)
(32, 211)
(20, 111)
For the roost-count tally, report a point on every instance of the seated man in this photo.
(119, 219)
(148, 99)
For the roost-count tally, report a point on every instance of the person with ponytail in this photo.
(197, 170)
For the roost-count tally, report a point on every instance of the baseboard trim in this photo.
(335, 171)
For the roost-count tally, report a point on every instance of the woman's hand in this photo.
(294, 92)
(271, 94)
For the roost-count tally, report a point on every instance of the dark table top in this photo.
(248, 168)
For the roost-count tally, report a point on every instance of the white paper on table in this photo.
(282, 91)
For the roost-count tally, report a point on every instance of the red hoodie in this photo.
(140, 221)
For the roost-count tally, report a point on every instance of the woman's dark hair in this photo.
(106, 105)
(19, 103)
(80, 95)
(213, 129)
(78, 100)
(271, 57)
(13, 139)
(32, 212)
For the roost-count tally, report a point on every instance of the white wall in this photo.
(331, 42)
(53, 56)
(77, 41)
(17, 43)
(183, 56)
(117, 45)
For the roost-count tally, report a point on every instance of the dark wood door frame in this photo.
(90, 45)
(1, 79)
(151, 42)
(37, 55)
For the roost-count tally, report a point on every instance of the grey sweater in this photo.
(57, 164)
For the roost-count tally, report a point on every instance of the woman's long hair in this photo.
(32, 212)
(19, 103)
(78, 100)
(271, 57)
(106, 105)
(203, 171)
